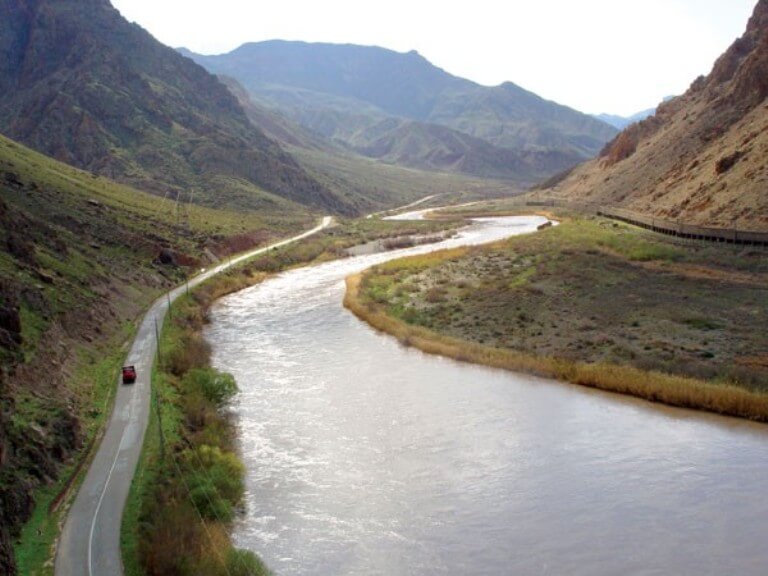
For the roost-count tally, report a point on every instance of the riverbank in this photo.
(189, 481)
(594, 303)
(189, 474)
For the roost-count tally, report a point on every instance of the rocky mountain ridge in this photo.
(84, 86)
(703, 157)
(358, 96)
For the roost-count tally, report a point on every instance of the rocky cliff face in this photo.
(81, 84)
(703, 157)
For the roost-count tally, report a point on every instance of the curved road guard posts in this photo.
(90, 542)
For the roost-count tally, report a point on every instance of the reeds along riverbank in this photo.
(667, 389)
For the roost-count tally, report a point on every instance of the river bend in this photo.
(366, 457)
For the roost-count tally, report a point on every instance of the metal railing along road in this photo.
(671, 228)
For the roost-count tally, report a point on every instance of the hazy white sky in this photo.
(615, 56)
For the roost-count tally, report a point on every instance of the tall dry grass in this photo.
(667, 389)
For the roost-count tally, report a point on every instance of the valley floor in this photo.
(594, 302)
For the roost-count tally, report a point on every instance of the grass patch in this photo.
(638, 249)
(703, 323)
(592, 302)
(94, 380)
(189, 480)
(33, 326)
(33, 553)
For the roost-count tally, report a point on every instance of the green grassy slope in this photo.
(597, 303)
(78, 264)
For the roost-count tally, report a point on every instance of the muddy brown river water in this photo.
(367, 457)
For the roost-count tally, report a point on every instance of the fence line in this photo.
(670, 228)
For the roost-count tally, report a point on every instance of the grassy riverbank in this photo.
(592, 302)
(189, 480)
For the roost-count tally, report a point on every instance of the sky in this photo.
(612, 56)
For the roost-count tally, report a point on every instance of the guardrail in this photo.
(662, 226)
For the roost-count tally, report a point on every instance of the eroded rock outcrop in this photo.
(703, 157)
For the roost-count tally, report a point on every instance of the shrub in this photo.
(209, 465)
(173, 540)
(193, 352)
(245, 563)
(435, 295)
(209, 504)
(217, 387)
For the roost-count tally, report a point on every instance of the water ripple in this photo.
(364, 457)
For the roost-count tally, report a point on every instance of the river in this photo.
(367, 457)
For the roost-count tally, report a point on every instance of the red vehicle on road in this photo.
(129, 374)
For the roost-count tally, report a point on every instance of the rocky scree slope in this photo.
(703, 157)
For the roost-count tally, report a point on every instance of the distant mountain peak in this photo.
(353, 94)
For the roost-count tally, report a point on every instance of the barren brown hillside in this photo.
(703, 158)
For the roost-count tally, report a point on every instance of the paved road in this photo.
(411, 205)
(90, 542)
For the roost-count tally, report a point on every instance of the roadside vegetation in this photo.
(593, 302)
(189, 483)
(190, 480)
(81, 258)
(95, 373)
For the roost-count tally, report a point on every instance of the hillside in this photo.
(84, 86)
(394, 173)
(397, 142)
(349, 94)
(80, 258)
(703, 157)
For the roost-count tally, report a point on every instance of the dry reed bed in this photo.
(667, 389)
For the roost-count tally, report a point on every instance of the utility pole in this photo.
(157, 397)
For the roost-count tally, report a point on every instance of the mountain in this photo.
(84, 86)
(622, 122)
(703, 157)
(398, 142)
(388, 180)
(357, 95)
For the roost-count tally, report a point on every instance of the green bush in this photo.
(245, 563)
(217, 387)
(209, 504)
(215, 481)
(190, 353)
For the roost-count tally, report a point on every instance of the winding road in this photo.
(90, 541)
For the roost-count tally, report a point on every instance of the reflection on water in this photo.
(365, 457)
